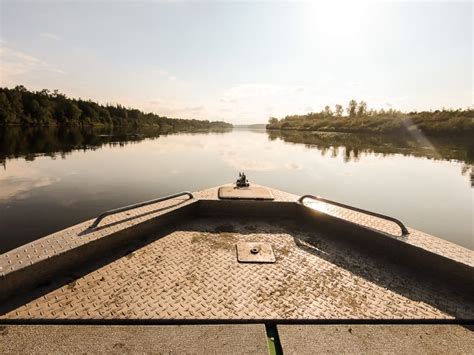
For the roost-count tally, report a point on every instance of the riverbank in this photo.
(444, 123)
(21, 107)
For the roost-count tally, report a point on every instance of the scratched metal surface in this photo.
(75, 236)
(193, 273)
(416, 238)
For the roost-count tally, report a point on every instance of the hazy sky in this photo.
(241, 62)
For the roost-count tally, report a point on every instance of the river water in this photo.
(53, 178)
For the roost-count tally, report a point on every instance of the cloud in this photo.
(256, 90)
(227, 100)
(57, 71)
(158, 71)
(376, 101)
(254, 102)
(15, 184)
(163, 73)
(9, 55)
(257, 101)
(50, 36)
(17, 65)
(172, 108)
(194, 108)
(248, 102)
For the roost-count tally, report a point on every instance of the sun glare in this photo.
(317, 205)
(339, 19)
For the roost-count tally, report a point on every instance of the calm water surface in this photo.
(55, 178)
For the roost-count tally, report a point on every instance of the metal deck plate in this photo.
(193, 274)
(134, 339)
(245, 193)
(376, 339)
(255, 252)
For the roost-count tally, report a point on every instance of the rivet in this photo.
(255, 250)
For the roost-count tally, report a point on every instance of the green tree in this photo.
(339, 110)
(352, 108)
(33, 108)
(71, 111)
(327, 111)
(16, 102)
(7, 114)
(362, 109)
(42, 108)
(89, 112)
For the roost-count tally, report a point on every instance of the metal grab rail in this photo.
(141, 204)
(404, 229)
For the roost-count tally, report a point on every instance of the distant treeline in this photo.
(360, 118)
(20, 106)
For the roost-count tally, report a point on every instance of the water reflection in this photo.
(31, 142)
(415, 180)
(351, 146)
(354, 144)
(28, 143)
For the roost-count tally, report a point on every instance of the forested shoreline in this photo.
(19, 106)
(358, 118)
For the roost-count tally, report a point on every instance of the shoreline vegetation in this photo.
(361, 119)
(21, 107)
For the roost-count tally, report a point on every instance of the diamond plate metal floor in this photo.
(193, 274)
(249, 339)
(376, 339)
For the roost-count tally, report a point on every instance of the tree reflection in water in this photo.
(30, 142)
(353, 145)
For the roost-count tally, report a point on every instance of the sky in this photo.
(242, 62)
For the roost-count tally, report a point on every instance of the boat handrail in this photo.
(404, 229)
(136, 205)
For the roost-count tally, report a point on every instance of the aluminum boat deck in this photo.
(175, 262)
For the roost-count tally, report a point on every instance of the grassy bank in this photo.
(440, 122)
